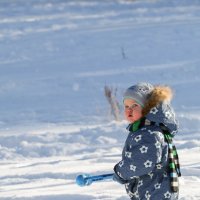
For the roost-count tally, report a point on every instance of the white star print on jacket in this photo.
(143, 155)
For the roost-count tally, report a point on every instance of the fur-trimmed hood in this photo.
(159, 110)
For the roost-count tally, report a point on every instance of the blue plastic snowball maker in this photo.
(86, 179)
(82, 180)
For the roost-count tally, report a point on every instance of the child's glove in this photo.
(119, 179)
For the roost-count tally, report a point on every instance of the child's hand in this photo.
(119, 179)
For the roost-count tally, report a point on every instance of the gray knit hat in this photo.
(139, 92)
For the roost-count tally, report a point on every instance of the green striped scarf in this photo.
(174, 166)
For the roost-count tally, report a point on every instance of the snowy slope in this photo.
(56, 56)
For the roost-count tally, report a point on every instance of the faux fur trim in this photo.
(158, 95)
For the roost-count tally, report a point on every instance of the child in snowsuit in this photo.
(149, 167)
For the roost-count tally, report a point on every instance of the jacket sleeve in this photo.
(139, 156)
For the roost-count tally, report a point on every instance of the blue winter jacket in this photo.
(144, 165)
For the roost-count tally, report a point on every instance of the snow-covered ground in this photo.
(56, 56)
